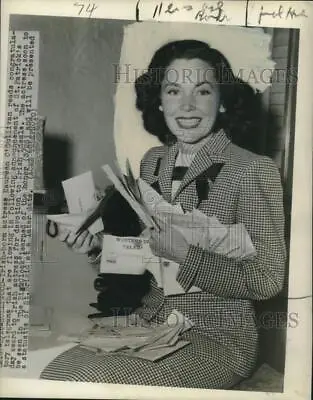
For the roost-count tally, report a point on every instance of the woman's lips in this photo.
(188, 123)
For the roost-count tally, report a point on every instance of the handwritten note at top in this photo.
(85, 9)
(281, 11)
(202, 12)
(226, 12)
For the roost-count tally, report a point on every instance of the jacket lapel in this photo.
(210, 154)
(166, 172)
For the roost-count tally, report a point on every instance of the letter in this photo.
(172, 73)
(118, 73)
(263, 79)
(267, 320)
(186, 74)
(294, 320)
(292, 75)
(253, 76)
(281, 320)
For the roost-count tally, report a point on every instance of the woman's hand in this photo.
(82, 243)
(168, 242)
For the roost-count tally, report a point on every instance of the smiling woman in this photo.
(190, 106)
(190, 85)
(190, 99)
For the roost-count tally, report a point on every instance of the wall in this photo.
(277, 97)
(76, 86)
(76, 93)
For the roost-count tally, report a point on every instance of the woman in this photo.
(191, 100)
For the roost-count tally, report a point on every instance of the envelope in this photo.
(73, 221)
(127, 255)
(80, 194)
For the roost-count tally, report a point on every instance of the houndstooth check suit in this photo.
(224, 339)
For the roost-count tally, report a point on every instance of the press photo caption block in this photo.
(17, 196)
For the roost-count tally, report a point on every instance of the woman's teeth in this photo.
(188, 123)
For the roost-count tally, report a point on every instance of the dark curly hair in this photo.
(242, 105)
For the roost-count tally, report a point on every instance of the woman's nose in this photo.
(187, 103)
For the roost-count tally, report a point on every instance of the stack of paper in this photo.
(129, 189)
(150, 343)
(133, 255)
(199, 229)
(80, 194)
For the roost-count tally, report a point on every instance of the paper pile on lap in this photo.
(147, 342)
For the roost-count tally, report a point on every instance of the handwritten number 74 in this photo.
(87, 8)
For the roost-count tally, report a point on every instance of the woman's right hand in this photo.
(83, 243)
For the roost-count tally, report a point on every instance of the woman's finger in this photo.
(90, 242)
(86, 245)
(156, 233)
(153, 240)
(80, 239)
(71, 239)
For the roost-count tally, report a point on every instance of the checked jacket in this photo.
(248, 190)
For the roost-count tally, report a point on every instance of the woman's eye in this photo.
(173, 92)
(204, 92)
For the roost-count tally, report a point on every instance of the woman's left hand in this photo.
(168, 242)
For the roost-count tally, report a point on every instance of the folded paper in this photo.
(80, 194)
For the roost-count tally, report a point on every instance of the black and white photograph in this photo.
(162, 203)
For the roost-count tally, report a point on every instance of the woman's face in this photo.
(190, 99)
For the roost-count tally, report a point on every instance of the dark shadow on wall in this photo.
(259, 133)
(57, 166)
